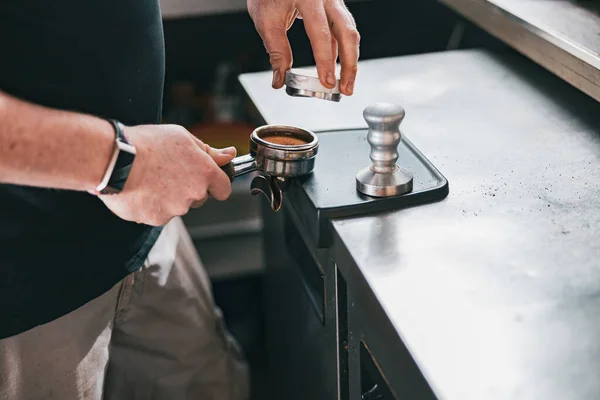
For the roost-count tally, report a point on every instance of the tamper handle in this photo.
(384, 135)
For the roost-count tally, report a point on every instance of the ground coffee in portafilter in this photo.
(283, 140)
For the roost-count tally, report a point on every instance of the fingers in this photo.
(274, 35)
(198, 204)
(330, 28)
(220, 156)
(319, 34)
(344, 31)
(334, 49)
(219, 185)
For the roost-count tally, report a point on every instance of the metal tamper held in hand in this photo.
(305, 83)
(384, 177)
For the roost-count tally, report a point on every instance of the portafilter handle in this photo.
(239, 166)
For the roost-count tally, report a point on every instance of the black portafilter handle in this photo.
(239, 166)
(229, 169)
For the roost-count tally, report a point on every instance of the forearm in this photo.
(51, 148)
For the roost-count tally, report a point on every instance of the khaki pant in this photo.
(156, 335)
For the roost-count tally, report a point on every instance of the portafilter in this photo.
(277, 152)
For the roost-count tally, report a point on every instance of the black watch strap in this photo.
(123, 163)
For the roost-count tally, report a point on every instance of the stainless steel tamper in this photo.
(384, 177)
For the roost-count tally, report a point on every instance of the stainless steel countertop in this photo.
(561, 35)
(495, 291)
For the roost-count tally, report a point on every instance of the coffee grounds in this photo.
(284, 140)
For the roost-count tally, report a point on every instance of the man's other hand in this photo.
(329, 26)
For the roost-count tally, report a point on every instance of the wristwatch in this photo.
(120, 163)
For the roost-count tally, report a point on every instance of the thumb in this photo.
(279, 50)
(221, 156)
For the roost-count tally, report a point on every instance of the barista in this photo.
(101, 292)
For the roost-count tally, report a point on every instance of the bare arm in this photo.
(172, 172)
(44, 147)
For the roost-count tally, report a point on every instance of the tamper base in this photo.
(308, 93)
(376, 184)
(301, 83)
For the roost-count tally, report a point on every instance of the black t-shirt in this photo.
(61, 249)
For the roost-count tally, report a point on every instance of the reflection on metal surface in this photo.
(267, 185)
(305, 83)
(240, 166)
(277, 150)
(500, 281)
(560, 35)
(380, 231)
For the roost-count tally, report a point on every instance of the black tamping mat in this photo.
(330, 191)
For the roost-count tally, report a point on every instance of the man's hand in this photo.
(172, 172)
(329, 26)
